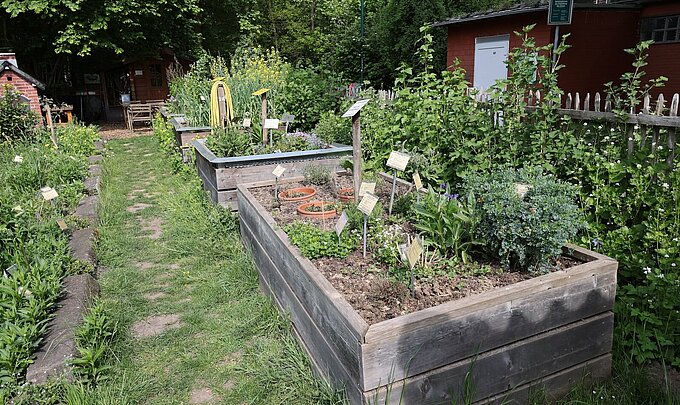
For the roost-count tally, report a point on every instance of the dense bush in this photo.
(525, 217)
(309, 93)
(17, 121)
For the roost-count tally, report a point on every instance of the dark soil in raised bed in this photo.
(364, 282)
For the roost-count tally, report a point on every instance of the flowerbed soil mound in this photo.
(364, 282)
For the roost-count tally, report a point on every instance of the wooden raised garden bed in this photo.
(184, 134)
(221, 175)
(550, 331)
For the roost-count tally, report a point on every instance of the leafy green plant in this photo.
(314, 242)
(316, 174)
(93, 339)
(525, 217)
(17, 121)
(229, 141)
(448, 221)
(308, 93)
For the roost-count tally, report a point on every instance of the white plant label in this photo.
(341, 224)
(278, 171)
(48, 193)
(367, 203)
(18, 159)
(366, 188)
(62, 224)
(247, 123)
(353, 110)
(522, 189)
(417, 181)
(398, 160)
(413, 253)
(271, 123)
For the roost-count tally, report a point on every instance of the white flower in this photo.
(672, 264)
(630, 138)
(666, 255)
(665, 185)
(585, 124)
(606, 138)
(659, 147)
(599, 127)
(636, 126)
(639, 166)
(590, 144)
(661, 275)
(647, 270)
(612, 130)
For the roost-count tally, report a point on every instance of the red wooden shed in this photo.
(599, 35)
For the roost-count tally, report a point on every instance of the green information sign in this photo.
(559, 12)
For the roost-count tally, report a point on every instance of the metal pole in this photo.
(365, 226)
(362, 43)
(556, 42)
(394, 189)
(356, 154)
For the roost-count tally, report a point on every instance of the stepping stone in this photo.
(95, 170)
(87, 208)
(82, 245)
(145, 265)
(137, 207)
(95, 158)
(92, 185)
(154, 295)
(59, 348)
(201, 396)
(153, 225)
(155, 325)
(99, 145)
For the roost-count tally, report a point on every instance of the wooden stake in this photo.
(264, 117)
(53, 135)
(356, 155)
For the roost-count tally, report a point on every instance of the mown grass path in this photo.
(193, 325)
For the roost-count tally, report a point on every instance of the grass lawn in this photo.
(193, 325)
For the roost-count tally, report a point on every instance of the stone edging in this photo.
(58, 348)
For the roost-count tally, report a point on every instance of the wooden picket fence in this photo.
(656, 119)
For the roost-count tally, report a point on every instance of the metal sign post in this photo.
(559, 13)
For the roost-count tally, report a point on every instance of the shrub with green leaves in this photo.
(76, 139)
(525, 217)
(332, 128)
(314, 242)
(17, 121)
(93, 340)
(316, 174)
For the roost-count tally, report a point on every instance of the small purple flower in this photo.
(443, 186)
(596, 243)
(455, 196)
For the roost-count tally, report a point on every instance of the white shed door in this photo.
(490, 56)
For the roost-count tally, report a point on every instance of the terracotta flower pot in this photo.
(297, 194)
(346, 194)
(313, 210)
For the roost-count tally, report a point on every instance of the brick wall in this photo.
(22, 86)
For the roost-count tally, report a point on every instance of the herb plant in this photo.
(314, 242)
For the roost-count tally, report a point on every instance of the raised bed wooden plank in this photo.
(489, 299)
(229, 177)
(325, 354)
(446, 341)
(206, 172)
(330, 311)
(558, 384)
(510, 366)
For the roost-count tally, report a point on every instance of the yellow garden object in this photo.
(215, 120)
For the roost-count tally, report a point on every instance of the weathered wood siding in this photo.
(548, 331)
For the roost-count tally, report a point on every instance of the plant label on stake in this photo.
(9, 271)
(48, 193)
(247, 122)
(278, 171)
(341, 224)
(271, 124)
(366, 188)
(418, 183)
(366, 206)
(396, 161)
(62, 224)
(413, 254)
(18, 159)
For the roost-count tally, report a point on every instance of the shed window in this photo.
(156, 75)
(661, 29)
